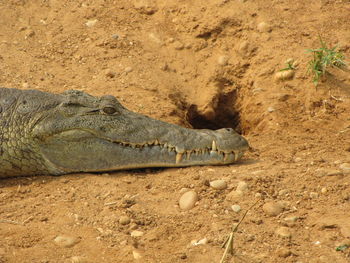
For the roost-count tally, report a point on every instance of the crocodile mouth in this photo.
(77, 150)
(187, 155)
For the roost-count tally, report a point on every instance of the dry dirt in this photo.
(201, 64)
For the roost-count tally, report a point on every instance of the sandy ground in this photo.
(200, 64)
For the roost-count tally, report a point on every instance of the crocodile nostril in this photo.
(229, 129)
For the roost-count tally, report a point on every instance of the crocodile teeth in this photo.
(188, 154)
(213, 146)
(225, 156)
(236, 153)
(178, 157)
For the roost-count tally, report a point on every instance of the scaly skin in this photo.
(44, 133)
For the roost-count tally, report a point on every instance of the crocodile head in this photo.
(94, 134)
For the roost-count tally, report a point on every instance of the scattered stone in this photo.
(271, 109)
(222, 60)
(264, 27)
(283, 232)
(218, 184)
(66, 241)
(128, 69)
(91, 23)
(291, 219)
(137, 254)
(25, 85)
(284, 75)
(345, 167)
(236, 208)
(124, 220)
(147, 7)
(136, 233)
(234, 195)
(188, 200)
(313, 195)
(115, 36)
(178, 45)
(324, 190)
(272, 208)
(202, 241)
(183, 256)
(284, 252)
(242, 186)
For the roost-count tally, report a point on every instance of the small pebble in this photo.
(324, 190)
(291, 219)
(222, 60)
(313, 195)
(284, 75)
(218, 184)
(242, 186)
(272, 208)
(124, 220)
(136, 254)
(136, 233)
(66, 241)
(178, 45)
(271, 109)
(283, 232)
(234, 195)
(91, 23)
(236, 208)
(202, 241)
(263, 27)
(128, 69)
(284, 252)
(188, 200)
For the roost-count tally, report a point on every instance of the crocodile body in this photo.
(44, 133)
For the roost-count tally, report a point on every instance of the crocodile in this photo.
(43, 133)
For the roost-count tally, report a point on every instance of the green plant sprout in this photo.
(290, 65)
(324, 57)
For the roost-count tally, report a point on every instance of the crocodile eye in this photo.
(109, 110)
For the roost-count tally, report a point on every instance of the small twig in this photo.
(335, 98)
(28, 219)
(110, 203)
(6, 221)
(229, 240)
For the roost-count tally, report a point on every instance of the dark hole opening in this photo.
(225, 115)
